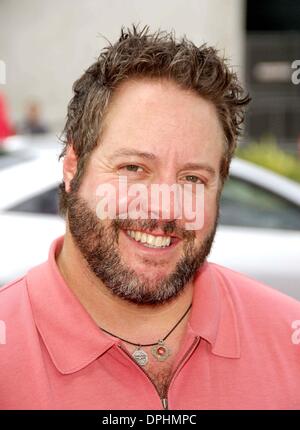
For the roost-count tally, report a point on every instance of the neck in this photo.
(139, 323)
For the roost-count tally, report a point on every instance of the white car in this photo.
(259, 232)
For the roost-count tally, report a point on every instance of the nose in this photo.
(165, 201)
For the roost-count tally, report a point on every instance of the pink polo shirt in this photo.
(238, 351)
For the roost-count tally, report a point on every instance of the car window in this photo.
(8, 160)
(43, 203)
(246, 204)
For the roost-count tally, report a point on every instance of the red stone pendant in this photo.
(160, 351)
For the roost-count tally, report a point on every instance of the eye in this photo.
(132, 168)
(193, 179)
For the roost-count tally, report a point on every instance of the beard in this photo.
(97, 240)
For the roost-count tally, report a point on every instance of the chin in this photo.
(152, 275)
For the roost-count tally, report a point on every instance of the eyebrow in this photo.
(150, 156)
(129, 152)
(199, 166)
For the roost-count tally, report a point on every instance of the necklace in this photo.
(159, 350)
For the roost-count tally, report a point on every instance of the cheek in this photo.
(210, 215)
(87, 191)
(95, 188)
(210, 212)
(204, 214)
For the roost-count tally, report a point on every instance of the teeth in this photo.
(158, 241)
(149, 239)
(143, 237)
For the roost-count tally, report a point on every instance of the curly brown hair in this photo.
(139, 53)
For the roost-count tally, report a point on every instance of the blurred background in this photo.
(46, 46)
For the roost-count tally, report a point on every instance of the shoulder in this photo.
(15, 313)
(16, 291)
(256, 304)
(240, 285)
(15, 309)
(11, 293)
(15, 300)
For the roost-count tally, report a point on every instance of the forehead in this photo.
(159, 116)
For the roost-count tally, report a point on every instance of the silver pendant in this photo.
(160, 351)
(140, 356)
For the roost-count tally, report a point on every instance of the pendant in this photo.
(160, 351)
(140, 356)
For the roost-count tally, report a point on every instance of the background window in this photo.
(43, 203)
(245, 204)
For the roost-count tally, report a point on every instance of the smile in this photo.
(150, 240)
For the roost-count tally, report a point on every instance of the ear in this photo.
(69, 166)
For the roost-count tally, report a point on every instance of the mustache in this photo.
(168, 227)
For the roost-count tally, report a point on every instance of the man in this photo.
(127, 313)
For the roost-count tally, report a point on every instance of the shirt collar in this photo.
(213, 315)
(74, 340)
(71, 336)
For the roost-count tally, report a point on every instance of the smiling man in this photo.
(127, 313)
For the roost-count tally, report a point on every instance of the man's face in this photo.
(154, 133)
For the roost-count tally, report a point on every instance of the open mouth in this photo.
(151, 241)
